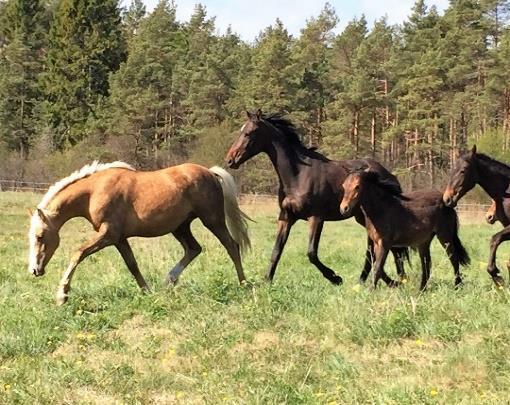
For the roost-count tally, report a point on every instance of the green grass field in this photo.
(300, 340)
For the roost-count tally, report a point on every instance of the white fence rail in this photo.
(40, 187)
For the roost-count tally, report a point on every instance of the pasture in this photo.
(207, 340)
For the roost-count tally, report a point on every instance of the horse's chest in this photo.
(294, 204)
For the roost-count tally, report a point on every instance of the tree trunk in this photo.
(372, 134)
(356, 133)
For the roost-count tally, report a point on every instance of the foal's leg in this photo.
(425, 259)
(316, 225)
(369, 260)
(496, 240)
(191, 250)
(398, 255)
(447, 243)
(129, 258)
(219, 229)
(381, 253)
(101, 240)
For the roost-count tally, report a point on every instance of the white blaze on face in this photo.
(36, 226)
(242, 128)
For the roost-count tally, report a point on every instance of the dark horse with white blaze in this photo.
(406, 220)
(494, 177)
(309, 186)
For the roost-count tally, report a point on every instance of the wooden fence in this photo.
(19, 185)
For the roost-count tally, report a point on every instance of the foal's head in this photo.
(251, 141)
(463, 178)
(43, 241)
(353, 188)
(490, 215)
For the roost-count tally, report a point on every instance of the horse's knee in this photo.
(495, 240)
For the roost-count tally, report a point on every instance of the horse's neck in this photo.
(286, 163)
(494, 183)
(67, 204)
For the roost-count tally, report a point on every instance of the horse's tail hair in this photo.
(458, 249)
(236, 219)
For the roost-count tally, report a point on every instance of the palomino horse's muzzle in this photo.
(37, 272)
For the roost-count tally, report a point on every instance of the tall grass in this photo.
(300, 340)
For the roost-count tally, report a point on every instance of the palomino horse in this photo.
(494, 177)
(410, 220)
(309, 188)
(121, 202)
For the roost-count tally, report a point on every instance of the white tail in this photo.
(237, 223)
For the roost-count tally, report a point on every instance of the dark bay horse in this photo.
(494, 177)
(309, 188)
(121, 202)
(406, 220)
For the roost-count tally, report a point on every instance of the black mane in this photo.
(289, 130)
(386, 184)
(495, 165)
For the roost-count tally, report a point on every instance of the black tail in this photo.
(459, 250)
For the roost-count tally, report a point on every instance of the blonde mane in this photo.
(85, 171)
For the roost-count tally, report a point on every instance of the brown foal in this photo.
(393, 219)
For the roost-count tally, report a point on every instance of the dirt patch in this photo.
(89, 396)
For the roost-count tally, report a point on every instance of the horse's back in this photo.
(153, 203)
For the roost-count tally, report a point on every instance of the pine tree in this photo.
(420, 74)
(23, 31)
(85, 46)
(310, 58)
(270, 83)
(132, 17)
(348, 89)
(144, 103)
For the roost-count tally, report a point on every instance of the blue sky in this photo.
(248, 18)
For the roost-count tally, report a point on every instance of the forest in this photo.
(89, 79)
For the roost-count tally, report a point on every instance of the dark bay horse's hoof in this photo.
(336, 280)
(394, 284)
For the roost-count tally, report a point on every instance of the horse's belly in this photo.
(156, 222)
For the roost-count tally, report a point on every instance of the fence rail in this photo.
(40, 187)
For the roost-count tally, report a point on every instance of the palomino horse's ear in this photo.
(30, 212)
(42, 214)
(259, 114)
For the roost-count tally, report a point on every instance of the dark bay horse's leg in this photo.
(101, 240)
(425, 259)
(316, 225)
(284, 225)
(220, 230)
(191, 250)
(496, 240)
(129, 258)
(381, 253)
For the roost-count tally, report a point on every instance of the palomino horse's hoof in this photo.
(62, 298)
